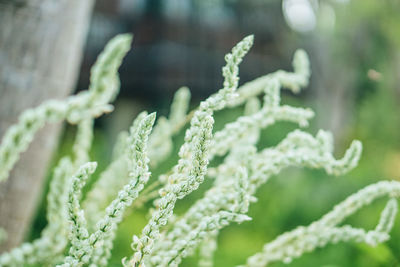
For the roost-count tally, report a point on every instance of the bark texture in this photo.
(41, 43)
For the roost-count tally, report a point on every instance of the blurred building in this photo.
(180, 43)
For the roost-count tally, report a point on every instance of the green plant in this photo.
(80, 236)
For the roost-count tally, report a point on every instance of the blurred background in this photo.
(354, 48)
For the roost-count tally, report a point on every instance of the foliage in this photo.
(81, 232)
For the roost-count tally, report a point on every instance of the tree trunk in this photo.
(333, 93)
(41, 43)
